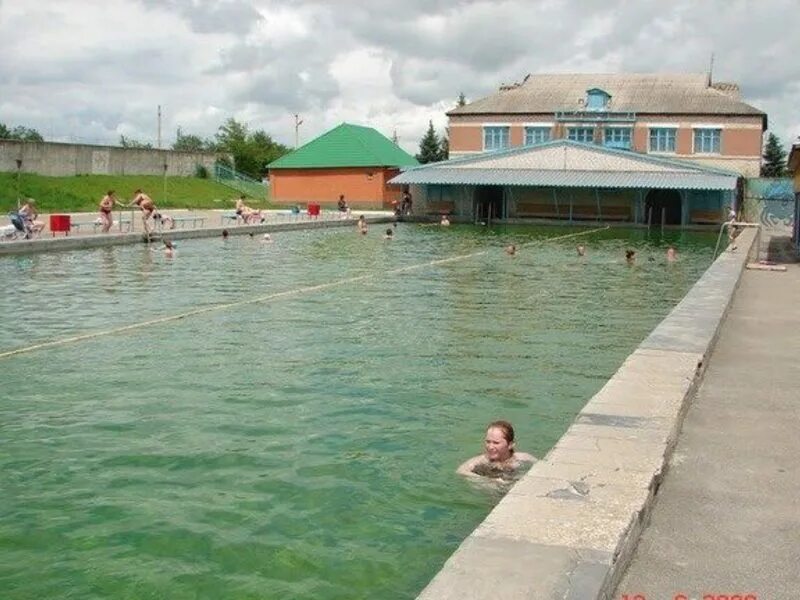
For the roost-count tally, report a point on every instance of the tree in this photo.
(430, 149)
(20, 133)
(190, 143)
(444, 147)
(774, 163)
(462, 100)
(251, 151)
(132, 143)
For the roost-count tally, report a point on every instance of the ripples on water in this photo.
(303, 447)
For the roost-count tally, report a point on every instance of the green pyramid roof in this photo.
(346, 146)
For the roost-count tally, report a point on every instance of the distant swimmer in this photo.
(581, 250)
(500, 460)
(389, 234)
(361, 225)
(630, 256)
(511, 249)
(445, 221)
(169, 249)
(267, 239)
(672, 254)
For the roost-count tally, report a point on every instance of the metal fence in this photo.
(770, 201)
(239, 181)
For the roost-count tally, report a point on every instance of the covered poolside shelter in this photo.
(573, 181)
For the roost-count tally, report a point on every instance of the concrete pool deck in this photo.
(726, 518)
(568, 528)
(212, 226)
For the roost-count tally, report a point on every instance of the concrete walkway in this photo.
(726, 519)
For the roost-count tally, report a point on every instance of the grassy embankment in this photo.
(81, 193)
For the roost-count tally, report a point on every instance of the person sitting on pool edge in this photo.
(500, 459)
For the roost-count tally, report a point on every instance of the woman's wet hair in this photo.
(507, 429)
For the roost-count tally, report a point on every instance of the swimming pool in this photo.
(303, 446)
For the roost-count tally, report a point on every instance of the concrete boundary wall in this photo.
(568, 528)
(63, 160)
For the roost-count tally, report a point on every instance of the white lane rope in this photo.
(267, 298)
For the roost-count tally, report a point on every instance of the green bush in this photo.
(201, 171)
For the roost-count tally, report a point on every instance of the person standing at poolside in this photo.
(106, 206)
(147, 206)
(406, 203)
(500, 459)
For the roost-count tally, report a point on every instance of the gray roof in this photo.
(565, 163)
(639, 93)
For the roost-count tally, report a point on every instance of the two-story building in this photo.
(646, 147)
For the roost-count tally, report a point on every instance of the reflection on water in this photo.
(303, 447)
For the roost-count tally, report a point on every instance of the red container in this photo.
(313, 210)
(60, 223)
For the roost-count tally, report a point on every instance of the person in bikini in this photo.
(247, 214)
(147, 206)
(106, 206)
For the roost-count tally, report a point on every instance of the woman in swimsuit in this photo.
(500, 460)
(106, 206)
(247, 214)
(146, 204)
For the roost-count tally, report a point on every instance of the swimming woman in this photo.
(500, 459)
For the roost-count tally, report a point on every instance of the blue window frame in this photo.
(662, 139)
(495, 137)
(581, 134)
(707, 141)
(617, 137)
(536, 135)
(597, 99)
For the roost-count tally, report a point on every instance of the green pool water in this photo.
(305, 446)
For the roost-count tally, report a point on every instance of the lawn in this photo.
(81, 193)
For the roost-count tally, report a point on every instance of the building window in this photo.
(536, 135)
(707, 141)
(617, 137)
(495, 137)
(662, 139)
(581, 134)
(597, 99)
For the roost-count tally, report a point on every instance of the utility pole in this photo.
(297, 122)
(158, 145)
(711, 70)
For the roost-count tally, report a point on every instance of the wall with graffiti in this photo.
(771, 202)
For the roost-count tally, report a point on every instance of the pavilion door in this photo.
(489, 203)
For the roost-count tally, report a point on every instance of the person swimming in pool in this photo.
(500, 459)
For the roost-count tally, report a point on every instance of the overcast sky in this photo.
(93, 70)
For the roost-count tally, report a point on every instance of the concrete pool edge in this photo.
(569, 527)
(86, 242)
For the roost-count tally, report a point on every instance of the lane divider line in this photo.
(266, 298)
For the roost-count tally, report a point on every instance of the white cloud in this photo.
(93, 69)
